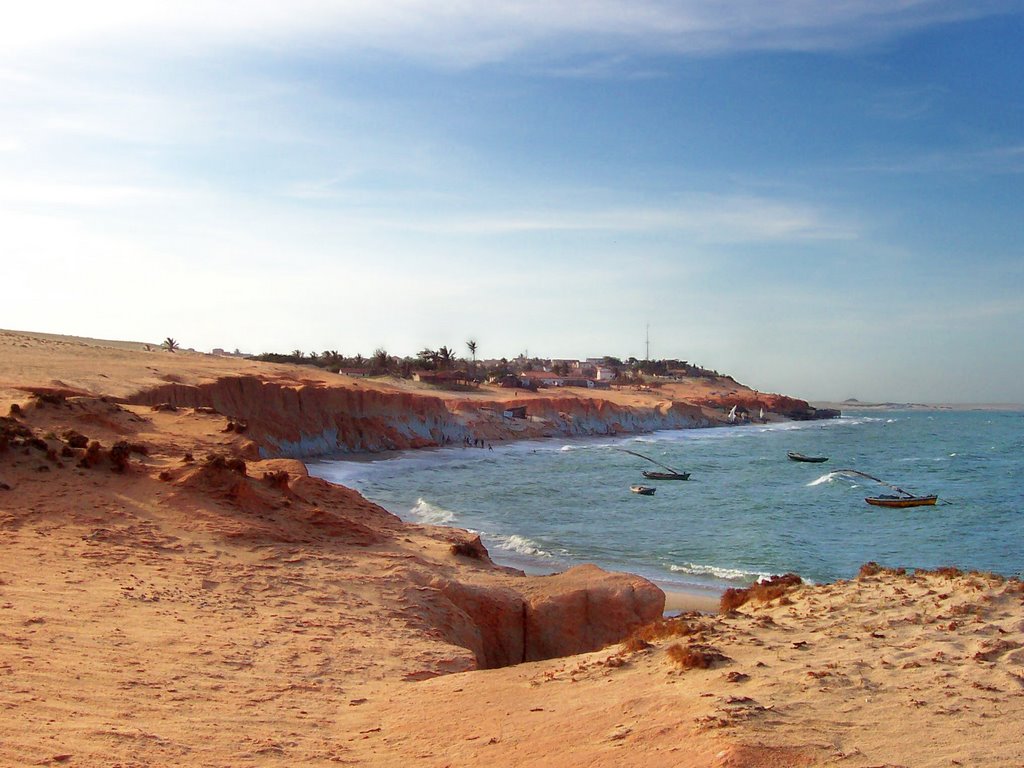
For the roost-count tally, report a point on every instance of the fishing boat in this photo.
(810, 459)
(900, 502)
(643, 490)
(666, 475)
(670, 473)
(903, 500)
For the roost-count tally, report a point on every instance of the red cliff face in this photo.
(753, 401)
(312, 419)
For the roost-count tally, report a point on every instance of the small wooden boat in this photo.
(666, 475)
(670, 473)
(905, 498)
(900, 502)
(643, 490)
(810, 459)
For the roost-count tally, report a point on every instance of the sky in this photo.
(823, 199)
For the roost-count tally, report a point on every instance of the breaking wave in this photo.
(725, 574)
(823, 479)
(518, 544)
(432, 514)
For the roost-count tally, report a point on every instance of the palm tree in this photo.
(170, 344)
(381, 360)
(471, 346)
(427, 358)
(445, 358)
(298, 353)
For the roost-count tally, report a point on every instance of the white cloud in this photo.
(77, 195)
(467, 32)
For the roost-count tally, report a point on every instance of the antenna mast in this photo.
(647, 342)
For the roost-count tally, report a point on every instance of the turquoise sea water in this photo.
(747, 510)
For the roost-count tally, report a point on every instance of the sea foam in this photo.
(518, 544)
(432, 514)
(726, 574)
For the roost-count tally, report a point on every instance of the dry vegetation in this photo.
(762, 592)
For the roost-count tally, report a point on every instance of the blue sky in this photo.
(821, 199)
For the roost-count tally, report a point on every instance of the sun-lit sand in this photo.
(180, 612)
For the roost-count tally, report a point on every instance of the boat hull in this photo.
(807, 459)
(901, 503)
(667, 475)
(643, 490)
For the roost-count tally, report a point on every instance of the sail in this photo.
(732, 414)
(653, 461)
(872, 477)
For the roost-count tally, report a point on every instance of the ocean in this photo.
(747, 511)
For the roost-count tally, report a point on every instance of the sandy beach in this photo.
(173, 596)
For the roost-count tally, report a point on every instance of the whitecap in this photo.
(726, 574)
(432, 514)
(823, 479)
(518, 544)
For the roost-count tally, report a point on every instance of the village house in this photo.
(578, 381)
(540, 379)
(356, 373)
(441, 377)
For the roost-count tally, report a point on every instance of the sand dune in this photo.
(176, 601)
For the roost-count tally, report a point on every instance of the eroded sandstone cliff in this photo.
(313, 419)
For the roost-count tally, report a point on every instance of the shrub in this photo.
(635, 643)
(119, 453)
(278, 479)
(762, 592)
(76, 439)
(466, 549)
(874, 569)
(93, 455)
(694, 656)
(220, 461)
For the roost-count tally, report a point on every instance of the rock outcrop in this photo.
(530, 618)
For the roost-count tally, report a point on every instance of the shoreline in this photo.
(893, 406)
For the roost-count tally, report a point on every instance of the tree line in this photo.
(445, 358)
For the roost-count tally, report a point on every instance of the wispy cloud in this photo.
(1005, 159)
(899, 104)
(704, 218)
(466, 33)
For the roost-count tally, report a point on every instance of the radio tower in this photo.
(647, 342)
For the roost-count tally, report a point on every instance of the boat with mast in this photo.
(902, 500)
(669, 474)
